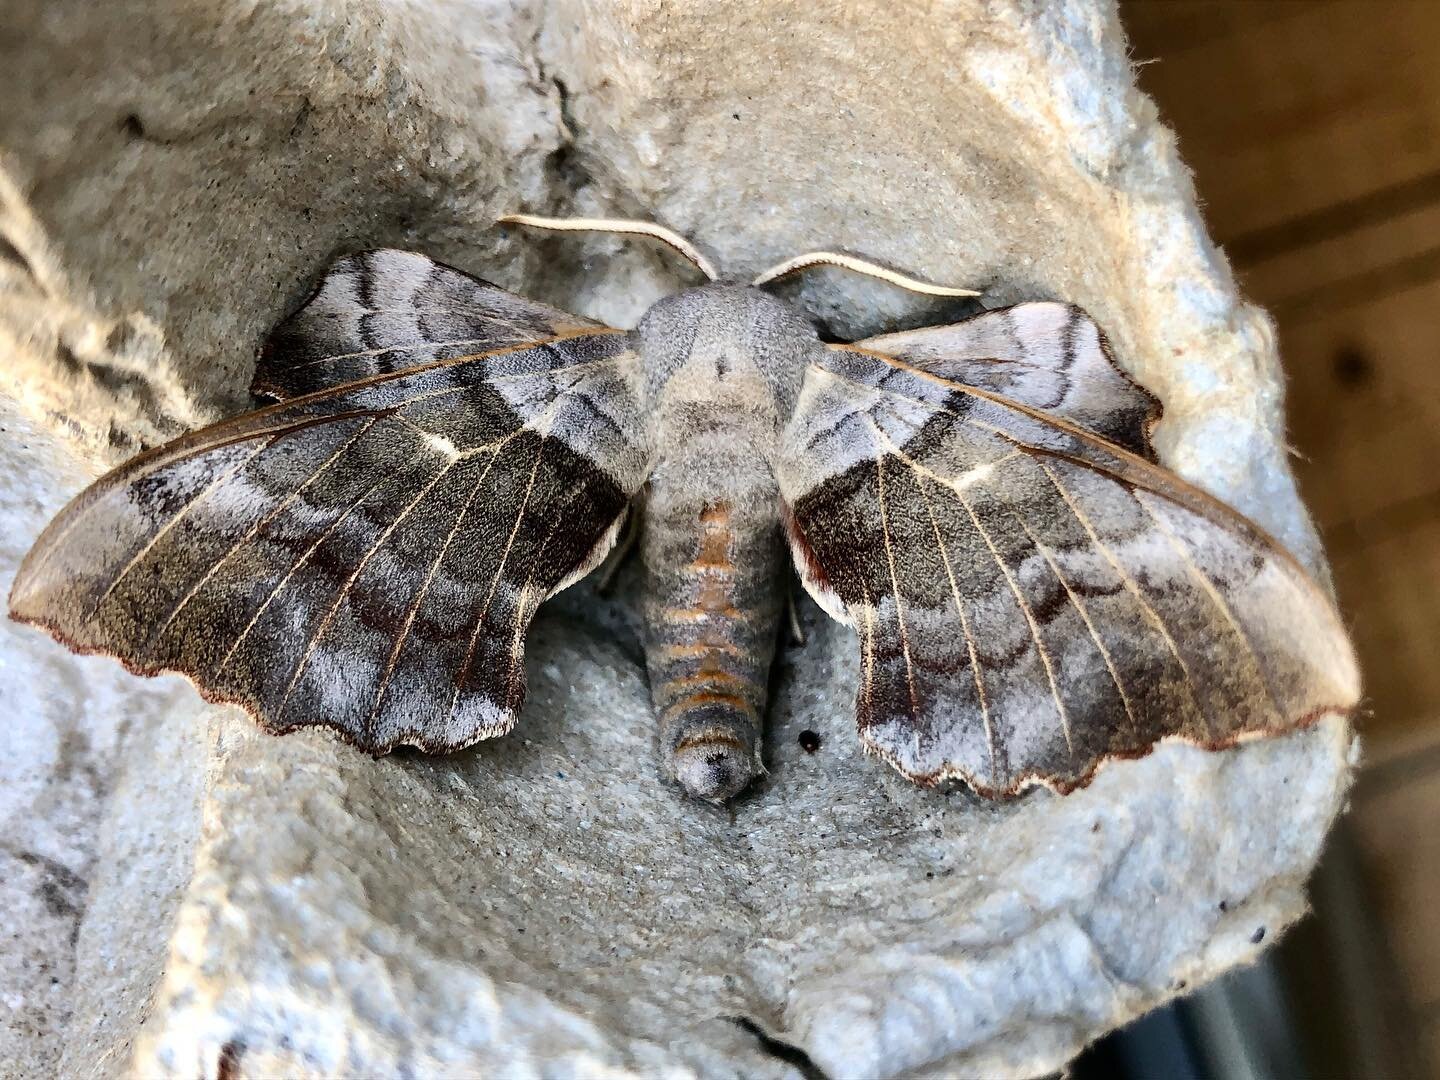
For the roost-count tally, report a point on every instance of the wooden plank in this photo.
(1390, 593)
(1364, 408)
(1172, 28)
(1342, 268)
(1401, 853)
(1285, 113)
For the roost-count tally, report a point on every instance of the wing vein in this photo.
(254, 529)
(1082, 612)
(175, 518)
(521, 618)
(294, 567)
(464, 673)
(524, 346)
(895, 586)
(965, 630)
(1029, 618)
(378, 351)
(400, 638)
(1132, 587)
(1219, 602)
(328, 618)
(1119, 452)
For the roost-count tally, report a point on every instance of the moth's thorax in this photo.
(731, 344)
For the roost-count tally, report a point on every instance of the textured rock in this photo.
(172, 182)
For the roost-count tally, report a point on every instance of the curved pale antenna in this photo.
(860, 266)
(618, 225)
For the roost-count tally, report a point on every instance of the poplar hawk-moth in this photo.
(1033, 593)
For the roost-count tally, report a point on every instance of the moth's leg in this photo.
(792, 612)
(713, 608)
(617, 559)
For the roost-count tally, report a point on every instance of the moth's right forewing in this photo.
(1033, 600)
(366, 558)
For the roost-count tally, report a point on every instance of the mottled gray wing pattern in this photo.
(1032, 599)
(1049, 356)
(384, 311)
(366, 558)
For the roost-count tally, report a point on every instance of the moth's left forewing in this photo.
(1032, 599)
(365, 558)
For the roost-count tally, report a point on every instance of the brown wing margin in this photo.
(1032, 600)
(365, 558)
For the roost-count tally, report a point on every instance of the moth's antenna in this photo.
(860, 266)
(618, 225)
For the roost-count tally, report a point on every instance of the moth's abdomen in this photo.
(713, 606)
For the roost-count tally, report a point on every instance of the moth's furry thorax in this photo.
(724, 331)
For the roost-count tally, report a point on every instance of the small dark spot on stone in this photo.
(1352, 367)
(735, 115)
(1258, 936)
(131, 126)
(1181, 984)
(228, 1063)
(809, 741)
(68, 360)
(929, 873)
(1224, 905)
(1095, 828)
(11, 254)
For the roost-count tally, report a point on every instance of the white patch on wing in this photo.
(971, 477)
(441, 445)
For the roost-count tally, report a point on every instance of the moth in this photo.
(1033, 595)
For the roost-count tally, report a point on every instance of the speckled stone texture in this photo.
(184, 896)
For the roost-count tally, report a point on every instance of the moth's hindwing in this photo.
(1051, 357)
(365, 558)
(383, 311)
(1033, 595)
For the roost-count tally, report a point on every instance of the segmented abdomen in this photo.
(713, 604)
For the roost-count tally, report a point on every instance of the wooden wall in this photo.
(1313, 129)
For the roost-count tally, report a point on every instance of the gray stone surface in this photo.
(181, 891)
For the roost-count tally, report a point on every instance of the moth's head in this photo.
(721, 309)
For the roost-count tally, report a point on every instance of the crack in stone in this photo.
(789, 1053)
